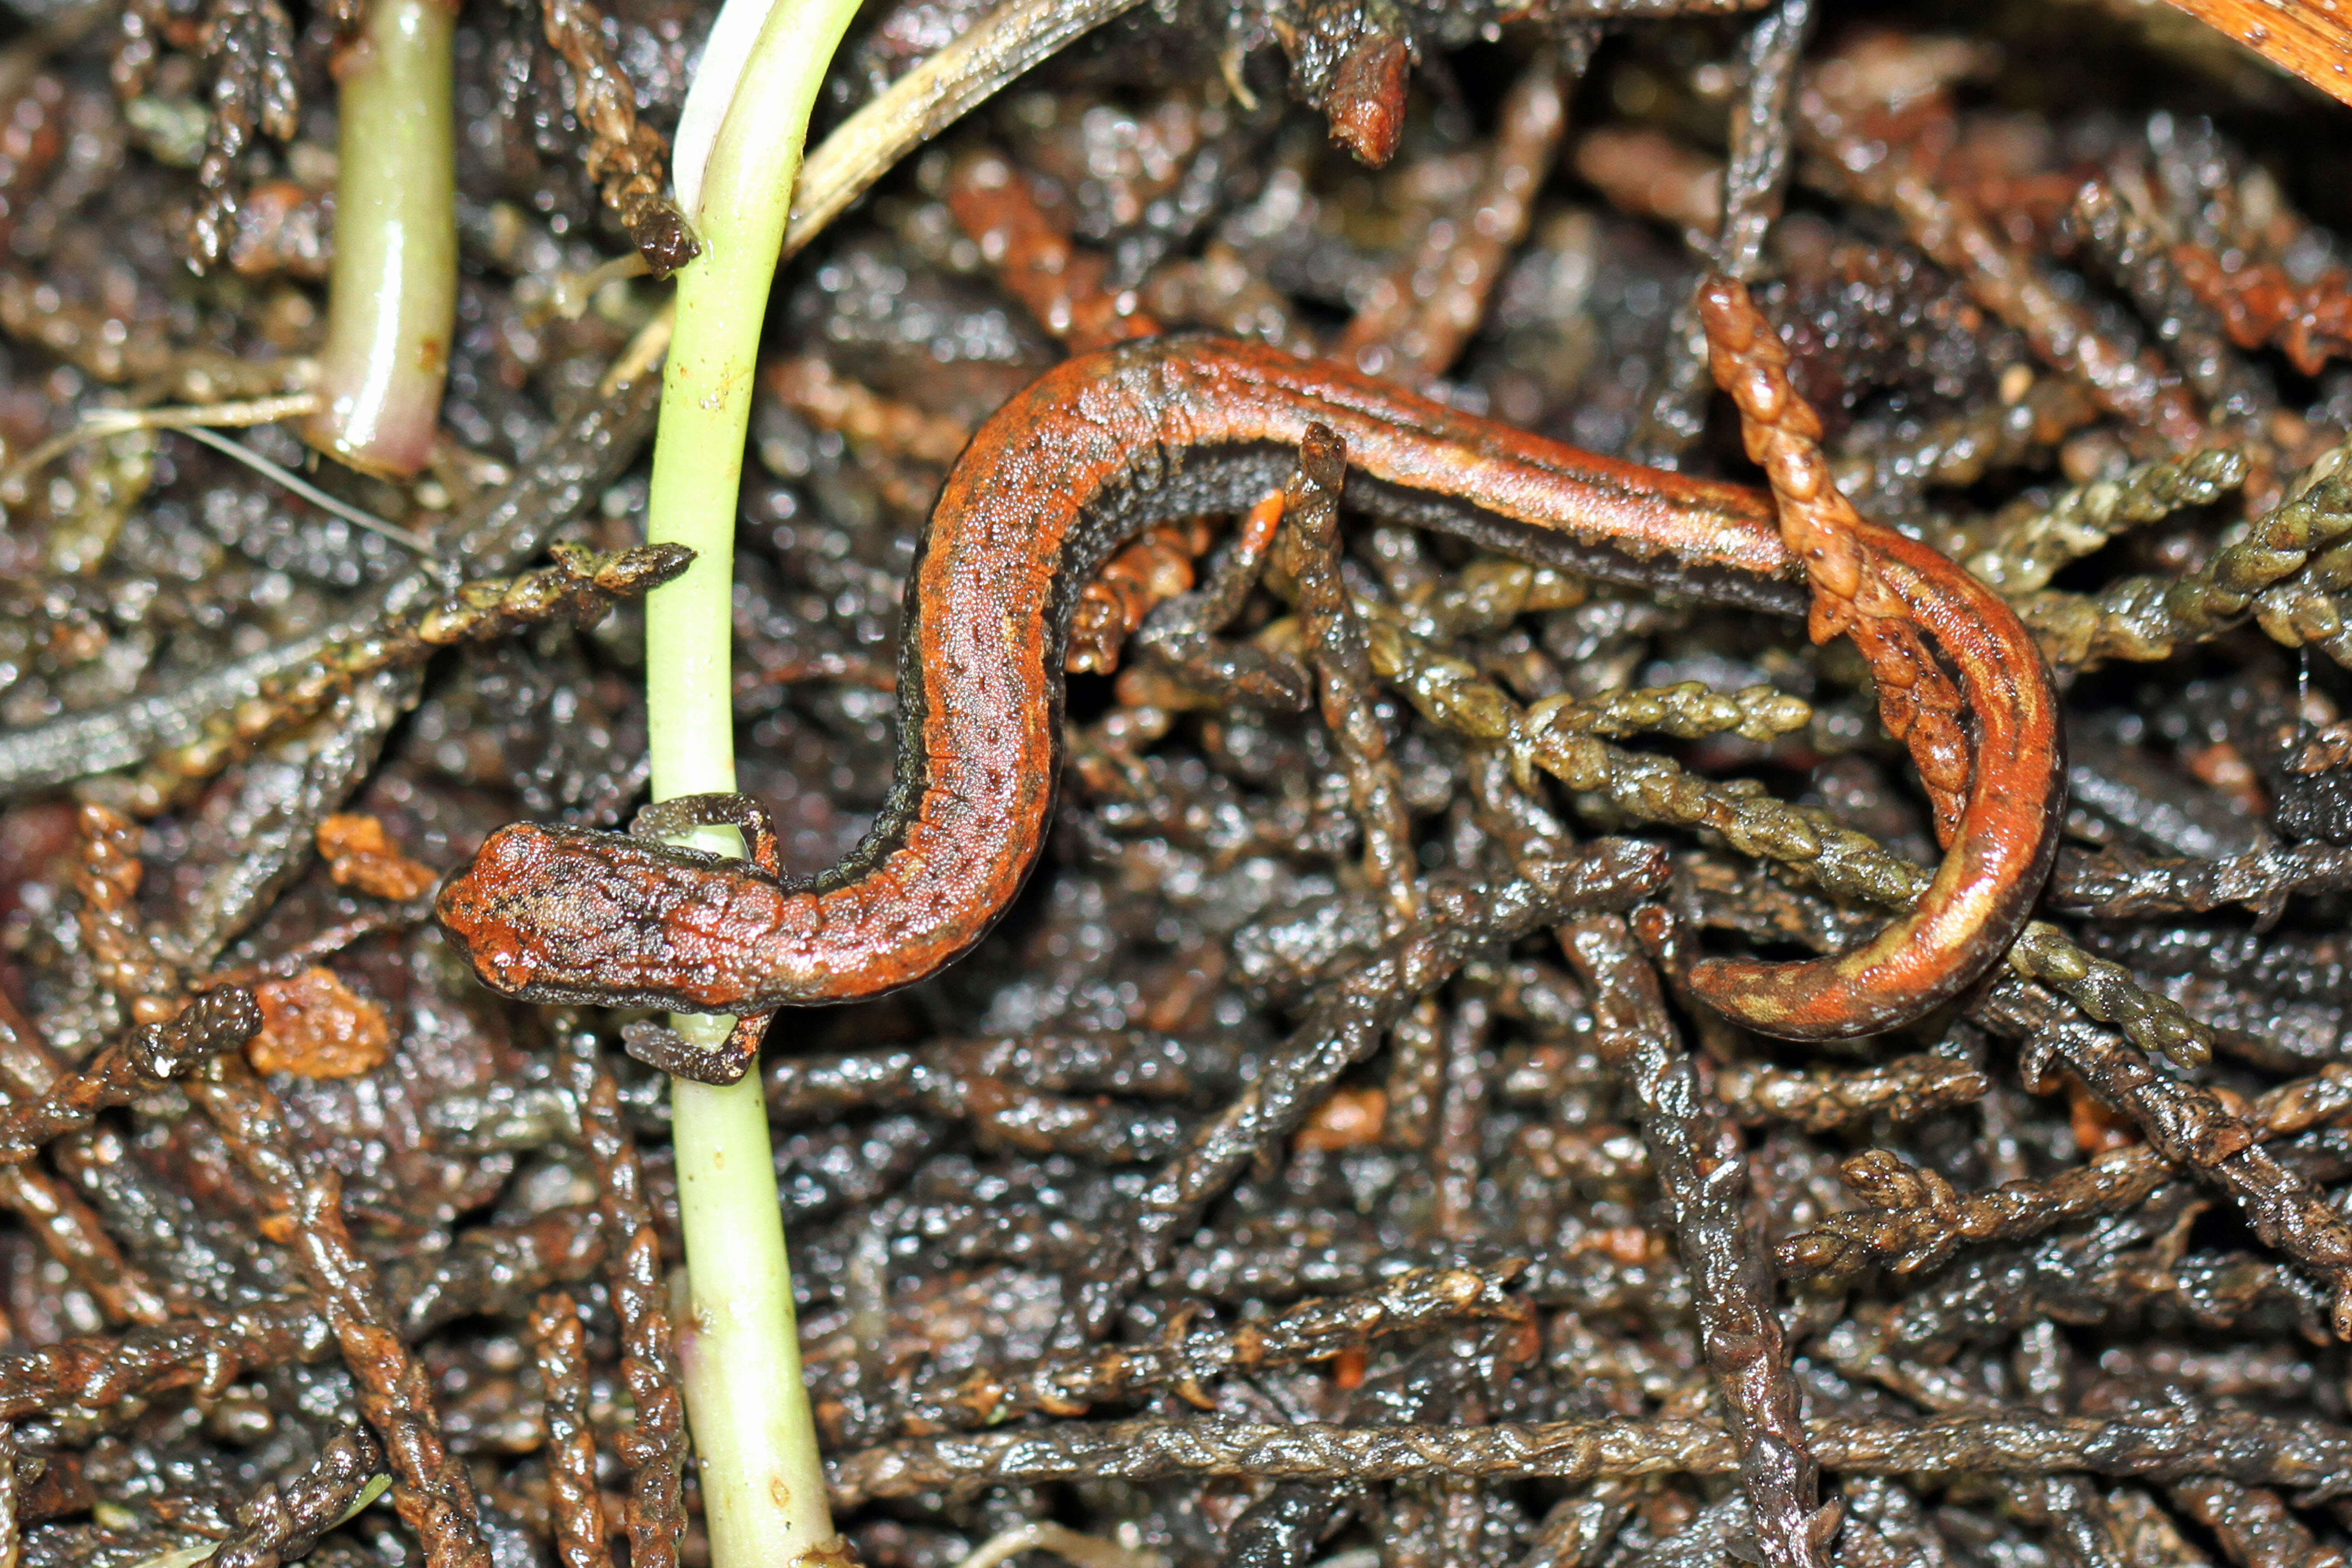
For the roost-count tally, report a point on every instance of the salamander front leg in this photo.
(680, 815)
(655, 1044)
(664, 1049)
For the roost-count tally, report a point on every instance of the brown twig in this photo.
(430, 1488)
(1917, 701)
(1699, 1165)
(574, 1506)
(655, 1450)
(282, 1523)
(627, 158)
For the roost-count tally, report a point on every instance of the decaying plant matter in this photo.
(1337, 1150)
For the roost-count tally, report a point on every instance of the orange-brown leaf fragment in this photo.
(314, 1025)
(2097, 1128)
(360, 853)
(1366, 103)
(1350, 1118)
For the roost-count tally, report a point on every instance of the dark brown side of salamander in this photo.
(1093, 452)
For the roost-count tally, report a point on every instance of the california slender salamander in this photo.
(1098, 450)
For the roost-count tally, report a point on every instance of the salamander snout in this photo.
(496, 911)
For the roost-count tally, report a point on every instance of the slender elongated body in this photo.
(1099, 448)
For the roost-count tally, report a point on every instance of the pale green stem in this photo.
(392, 302)
(764, 1501)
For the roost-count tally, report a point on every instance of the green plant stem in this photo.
(391, 302)
(764, 1494)
(764, 1502)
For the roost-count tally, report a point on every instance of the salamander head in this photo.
(511, 915)
(563, 914)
